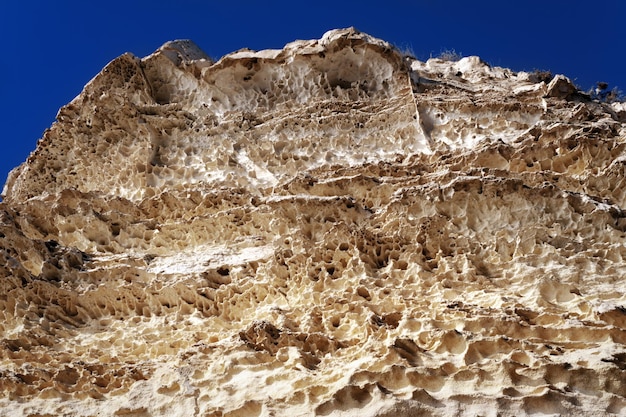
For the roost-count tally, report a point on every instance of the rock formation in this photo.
(328, 229)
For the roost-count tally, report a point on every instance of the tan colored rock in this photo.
(327, 229)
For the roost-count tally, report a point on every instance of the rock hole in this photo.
(50, 244)
(363, 292)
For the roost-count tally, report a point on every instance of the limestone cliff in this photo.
(327, 229)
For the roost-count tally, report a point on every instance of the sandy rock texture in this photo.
(330, 229)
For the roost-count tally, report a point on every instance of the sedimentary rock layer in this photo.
(328, 229)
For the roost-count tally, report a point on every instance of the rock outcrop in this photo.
(328, 229)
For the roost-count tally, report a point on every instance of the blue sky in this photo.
(51, 49)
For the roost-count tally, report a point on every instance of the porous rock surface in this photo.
(327, 229)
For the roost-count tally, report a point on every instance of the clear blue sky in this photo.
(51, 49)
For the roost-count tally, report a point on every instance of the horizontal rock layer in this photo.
(327, 229)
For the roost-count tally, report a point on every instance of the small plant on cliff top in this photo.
(538, 76)
(407, 51)
(602, 93)
(450, 55)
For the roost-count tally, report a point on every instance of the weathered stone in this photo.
(327, 229)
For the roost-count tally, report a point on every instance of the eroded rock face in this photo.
(327, 229)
